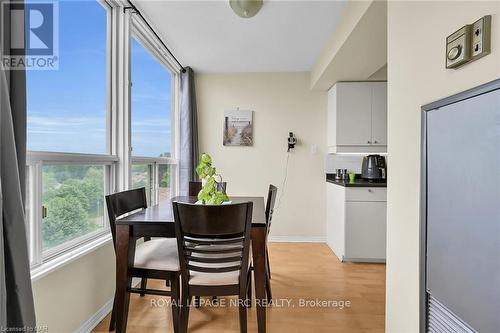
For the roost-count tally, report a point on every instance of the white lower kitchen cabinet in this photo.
(356, 222)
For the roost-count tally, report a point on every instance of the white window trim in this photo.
(141, 31)
(34, 157)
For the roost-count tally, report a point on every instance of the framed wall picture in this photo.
(238, 128)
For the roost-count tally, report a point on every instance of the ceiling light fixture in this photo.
(246, 8)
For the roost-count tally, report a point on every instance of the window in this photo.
(158, 180)
(83, 143)
(68, 136)
(151, 104)
(142, 177)
(67, 109)
(151, 121)
(165, 181)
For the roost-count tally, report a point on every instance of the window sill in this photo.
(54, 264)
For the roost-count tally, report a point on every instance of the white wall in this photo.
(357, 48)
(66, 298)
(416, 76)
(282, 102)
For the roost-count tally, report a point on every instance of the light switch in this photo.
(458, 47)
(481, 37)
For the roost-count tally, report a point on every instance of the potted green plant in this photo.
(209, 194)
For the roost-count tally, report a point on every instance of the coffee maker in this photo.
(374, 168)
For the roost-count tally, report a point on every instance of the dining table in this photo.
(158, 221)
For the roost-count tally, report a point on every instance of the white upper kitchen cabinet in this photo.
(357, 117)
(379, 114)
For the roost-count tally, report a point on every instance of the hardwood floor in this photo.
(304, 271)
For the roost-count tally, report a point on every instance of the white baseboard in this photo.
(93, 321)
(297, 239)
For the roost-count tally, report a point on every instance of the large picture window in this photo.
(87, 136)
(68, 135)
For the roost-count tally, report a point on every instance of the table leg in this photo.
(125, 251)
(259, 264)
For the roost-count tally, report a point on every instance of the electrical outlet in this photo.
(481, 37)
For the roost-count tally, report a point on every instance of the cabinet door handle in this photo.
(370, 190)
(375, 141)
(368, 142)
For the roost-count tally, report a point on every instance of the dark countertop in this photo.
(358, 182)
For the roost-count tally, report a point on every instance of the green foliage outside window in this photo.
(74, 198)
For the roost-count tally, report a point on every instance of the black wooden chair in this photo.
(156, 258)
(271, 200)
(214, 247)
(195, 188)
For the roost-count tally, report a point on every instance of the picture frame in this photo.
(238, 128)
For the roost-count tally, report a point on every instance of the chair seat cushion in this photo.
(159, 254)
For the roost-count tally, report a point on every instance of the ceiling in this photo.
(285, 36)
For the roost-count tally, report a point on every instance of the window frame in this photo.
(154, 167)
(35, 163)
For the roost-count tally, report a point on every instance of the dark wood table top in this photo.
(162, 213)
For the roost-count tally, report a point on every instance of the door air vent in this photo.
(442, 320)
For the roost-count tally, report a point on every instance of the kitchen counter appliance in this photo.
(373, 167)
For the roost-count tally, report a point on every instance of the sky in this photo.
(67, 107)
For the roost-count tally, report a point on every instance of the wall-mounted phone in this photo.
(292, 141)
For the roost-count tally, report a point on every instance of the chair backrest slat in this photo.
(221, 241)
(214, 269)
(215, 251)
(213, 239)
(122, 203)
(212, 259)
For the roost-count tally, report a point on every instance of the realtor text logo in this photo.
(33, 40)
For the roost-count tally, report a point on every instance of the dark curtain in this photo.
(188, 131)
(16, 298)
